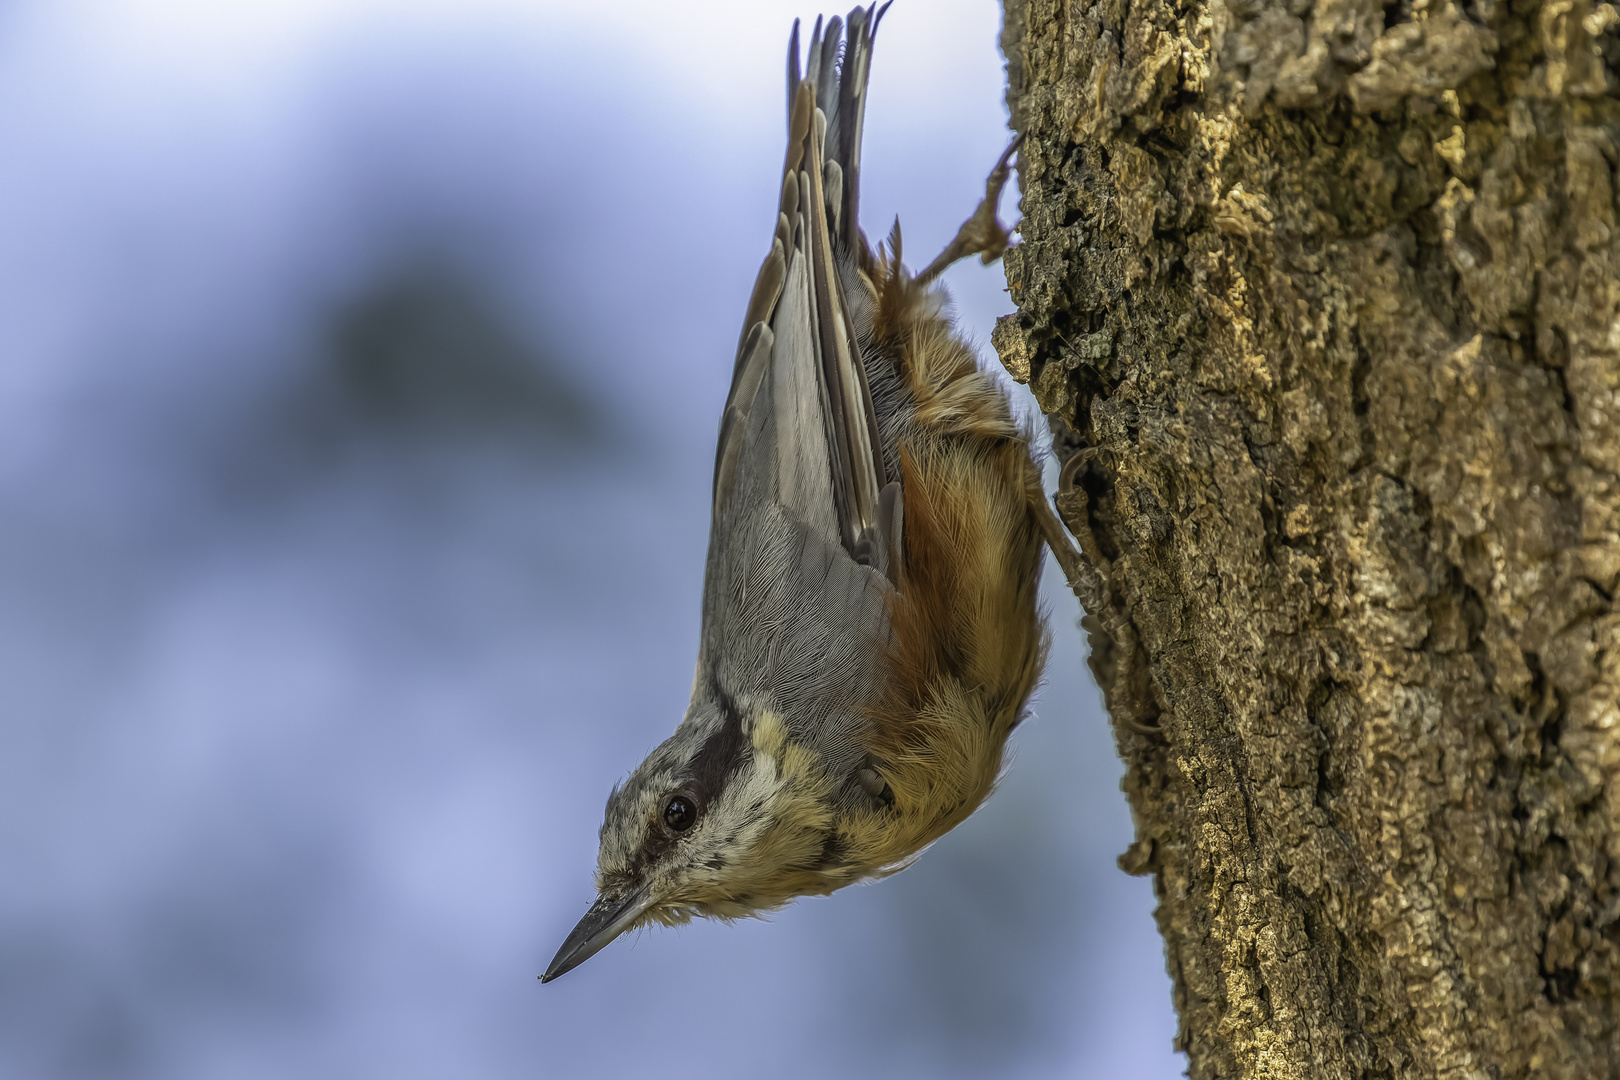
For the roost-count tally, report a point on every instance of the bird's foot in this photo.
(983, 234)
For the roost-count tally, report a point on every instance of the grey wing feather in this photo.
(798, 400)
(752, 363)
(830, 462)
(806, 535)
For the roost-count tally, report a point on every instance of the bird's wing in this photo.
(798, 371)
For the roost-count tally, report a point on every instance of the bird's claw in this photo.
(983, 234)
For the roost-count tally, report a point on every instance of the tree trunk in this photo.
(1326, 301)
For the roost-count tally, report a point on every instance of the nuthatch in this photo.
(870, 633)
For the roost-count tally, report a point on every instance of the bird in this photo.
(870, 627)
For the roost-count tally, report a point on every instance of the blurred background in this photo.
(360, 372)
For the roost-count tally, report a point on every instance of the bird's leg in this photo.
(983, 234)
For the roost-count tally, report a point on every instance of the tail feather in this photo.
(826, 73)
(794, 77)
(849, 118)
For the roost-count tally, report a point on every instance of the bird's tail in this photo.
(839, 62)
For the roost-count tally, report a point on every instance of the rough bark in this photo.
(1325, 297)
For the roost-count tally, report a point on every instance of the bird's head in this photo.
(727, 818)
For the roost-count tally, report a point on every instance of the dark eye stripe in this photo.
(719, 756)
(722, 752)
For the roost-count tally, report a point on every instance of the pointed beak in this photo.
(609, 917)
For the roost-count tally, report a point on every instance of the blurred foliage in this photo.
(418, 366)
(426, 352)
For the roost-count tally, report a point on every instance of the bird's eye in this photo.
(679, 813)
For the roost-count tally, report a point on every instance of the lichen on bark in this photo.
(1326, 298)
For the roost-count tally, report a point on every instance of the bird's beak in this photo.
(609, 917)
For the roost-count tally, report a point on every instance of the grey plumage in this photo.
(791, 620)
(869, 634)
